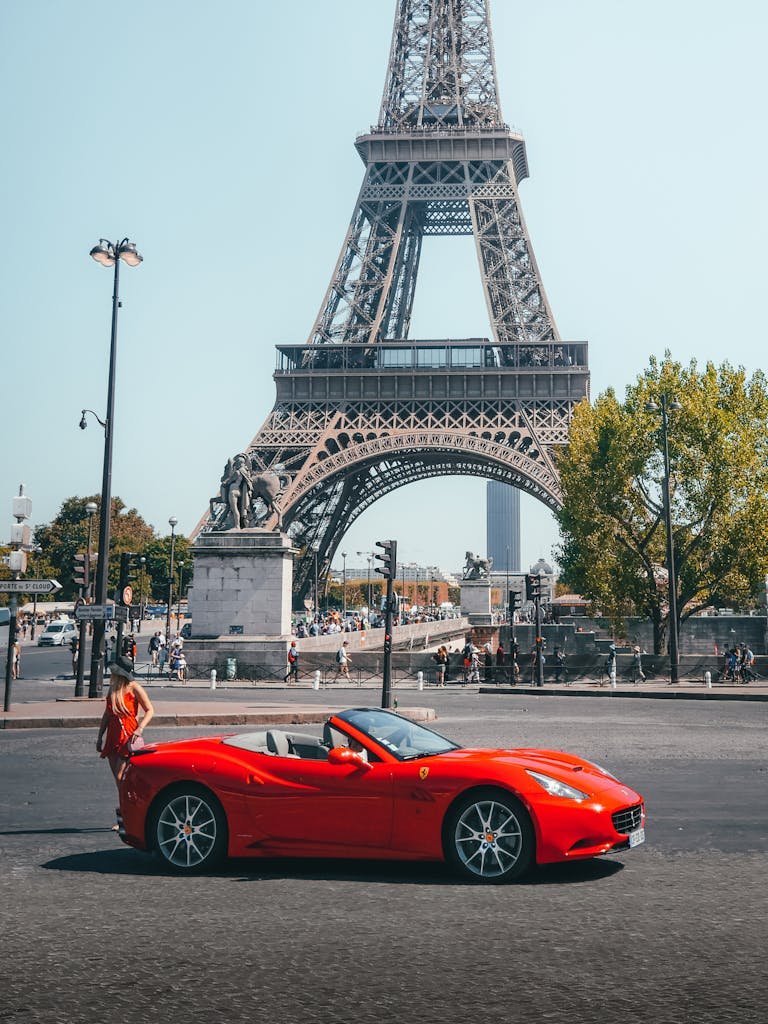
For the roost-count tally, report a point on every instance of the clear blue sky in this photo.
(220, 138)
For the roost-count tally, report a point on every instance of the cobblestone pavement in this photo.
(673, 932)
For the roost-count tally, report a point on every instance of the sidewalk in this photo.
(85, 713)
(686, 689)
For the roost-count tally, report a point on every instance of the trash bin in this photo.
(231, 668)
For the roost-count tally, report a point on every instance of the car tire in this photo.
(488, 837)
(188, 829)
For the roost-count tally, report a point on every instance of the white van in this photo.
(56, 633)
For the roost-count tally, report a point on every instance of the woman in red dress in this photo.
(120, 721)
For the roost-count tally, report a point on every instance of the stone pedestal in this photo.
(243, 585)
(476, 602)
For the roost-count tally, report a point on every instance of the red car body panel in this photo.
(390, 809)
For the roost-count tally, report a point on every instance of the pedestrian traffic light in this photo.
(514, 601)
(533, 587)
(388, 568)
(125, 590)
(82, 574)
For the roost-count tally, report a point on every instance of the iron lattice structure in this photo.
(360, 408)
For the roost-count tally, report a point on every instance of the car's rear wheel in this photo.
(489, 837)
(189, 829)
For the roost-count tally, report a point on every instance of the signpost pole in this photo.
(9, 660)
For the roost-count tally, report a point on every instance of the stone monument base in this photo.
(476, 602)
(250, 657)
(242, 585)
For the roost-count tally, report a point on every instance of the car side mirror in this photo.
(343, 755)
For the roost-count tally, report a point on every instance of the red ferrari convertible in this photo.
(375, 785)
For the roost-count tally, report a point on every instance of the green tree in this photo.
(67, 535)
(158, 555)
(612, 522)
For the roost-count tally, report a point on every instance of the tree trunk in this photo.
(659, 636)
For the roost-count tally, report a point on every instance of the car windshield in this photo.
(405, 740)
(54, 629)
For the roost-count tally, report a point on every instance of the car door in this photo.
(317, 806)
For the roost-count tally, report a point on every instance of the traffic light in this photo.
(533, 587)
(388, 568)
(514, 602)
(82, 575)
(125, 590)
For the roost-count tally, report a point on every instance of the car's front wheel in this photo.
(189, 829)
(489, 837)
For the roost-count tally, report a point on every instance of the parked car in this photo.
(375, 785)
(57, 633)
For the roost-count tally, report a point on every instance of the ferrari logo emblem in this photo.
(423, 773)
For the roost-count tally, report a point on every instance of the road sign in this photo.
(29, 586)
(102, 612)
(127, 595)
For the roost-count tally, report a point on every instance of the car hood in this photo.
(573, 770)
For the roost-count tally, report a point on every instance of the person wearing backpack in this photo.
(293, 664)
(343, 661)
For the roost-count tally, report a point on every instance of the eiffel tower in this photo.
(362, 409)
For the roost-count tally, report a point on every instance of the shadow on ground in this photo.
(133, 862)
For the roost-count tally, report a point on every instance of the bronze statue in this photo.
(232, 508)
(477, 568)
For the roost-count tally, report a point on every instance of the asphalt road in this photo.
(674, 931)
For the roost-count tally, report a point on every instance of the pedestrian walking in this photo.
(343, 661)
(637, 665)
(154, 647)
(293, 664)
(74, 646)
(440, 657)
(16, 660)
(162, 656)
(559, 664)
(500, 655)
(474, 665)
(120, 730)
(748, 668)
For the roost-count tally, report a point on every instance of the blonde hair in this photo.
(118, 684)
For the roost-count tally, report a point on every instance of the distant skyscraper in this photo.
(503, 527)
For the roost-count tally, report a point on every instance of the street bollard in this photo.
(420, 680)
(213, 678)
(708, 680)
(316, 680)
(613, 677)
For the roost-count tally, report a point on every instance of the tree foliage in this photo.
(67, 535)
(612, 523)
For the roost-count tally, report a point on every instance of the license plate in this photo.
(635, 838)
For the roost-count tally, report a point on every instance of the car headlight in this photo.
(557, 788)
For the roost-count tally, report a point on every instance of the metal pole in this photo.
(79, 681)
(102, 568)
(170, 591)
(34, 616)
(344, 587)
(674, 658)
(12, 608)
(386, 683)
(142, 563)
(539, 643)
(317, 597)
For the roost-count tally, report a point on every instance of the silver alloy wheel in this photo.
(488, 838)
(186, 831)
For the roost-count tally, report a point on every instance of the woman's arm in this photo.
(146, 704)
(102, 729)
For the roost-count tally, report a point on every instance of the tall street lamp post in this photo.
(344, 586)
(369, 557)
(172, 521)
(665, 406)
(108, 254)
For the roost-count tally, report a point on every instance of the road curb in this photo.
(548, 691)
